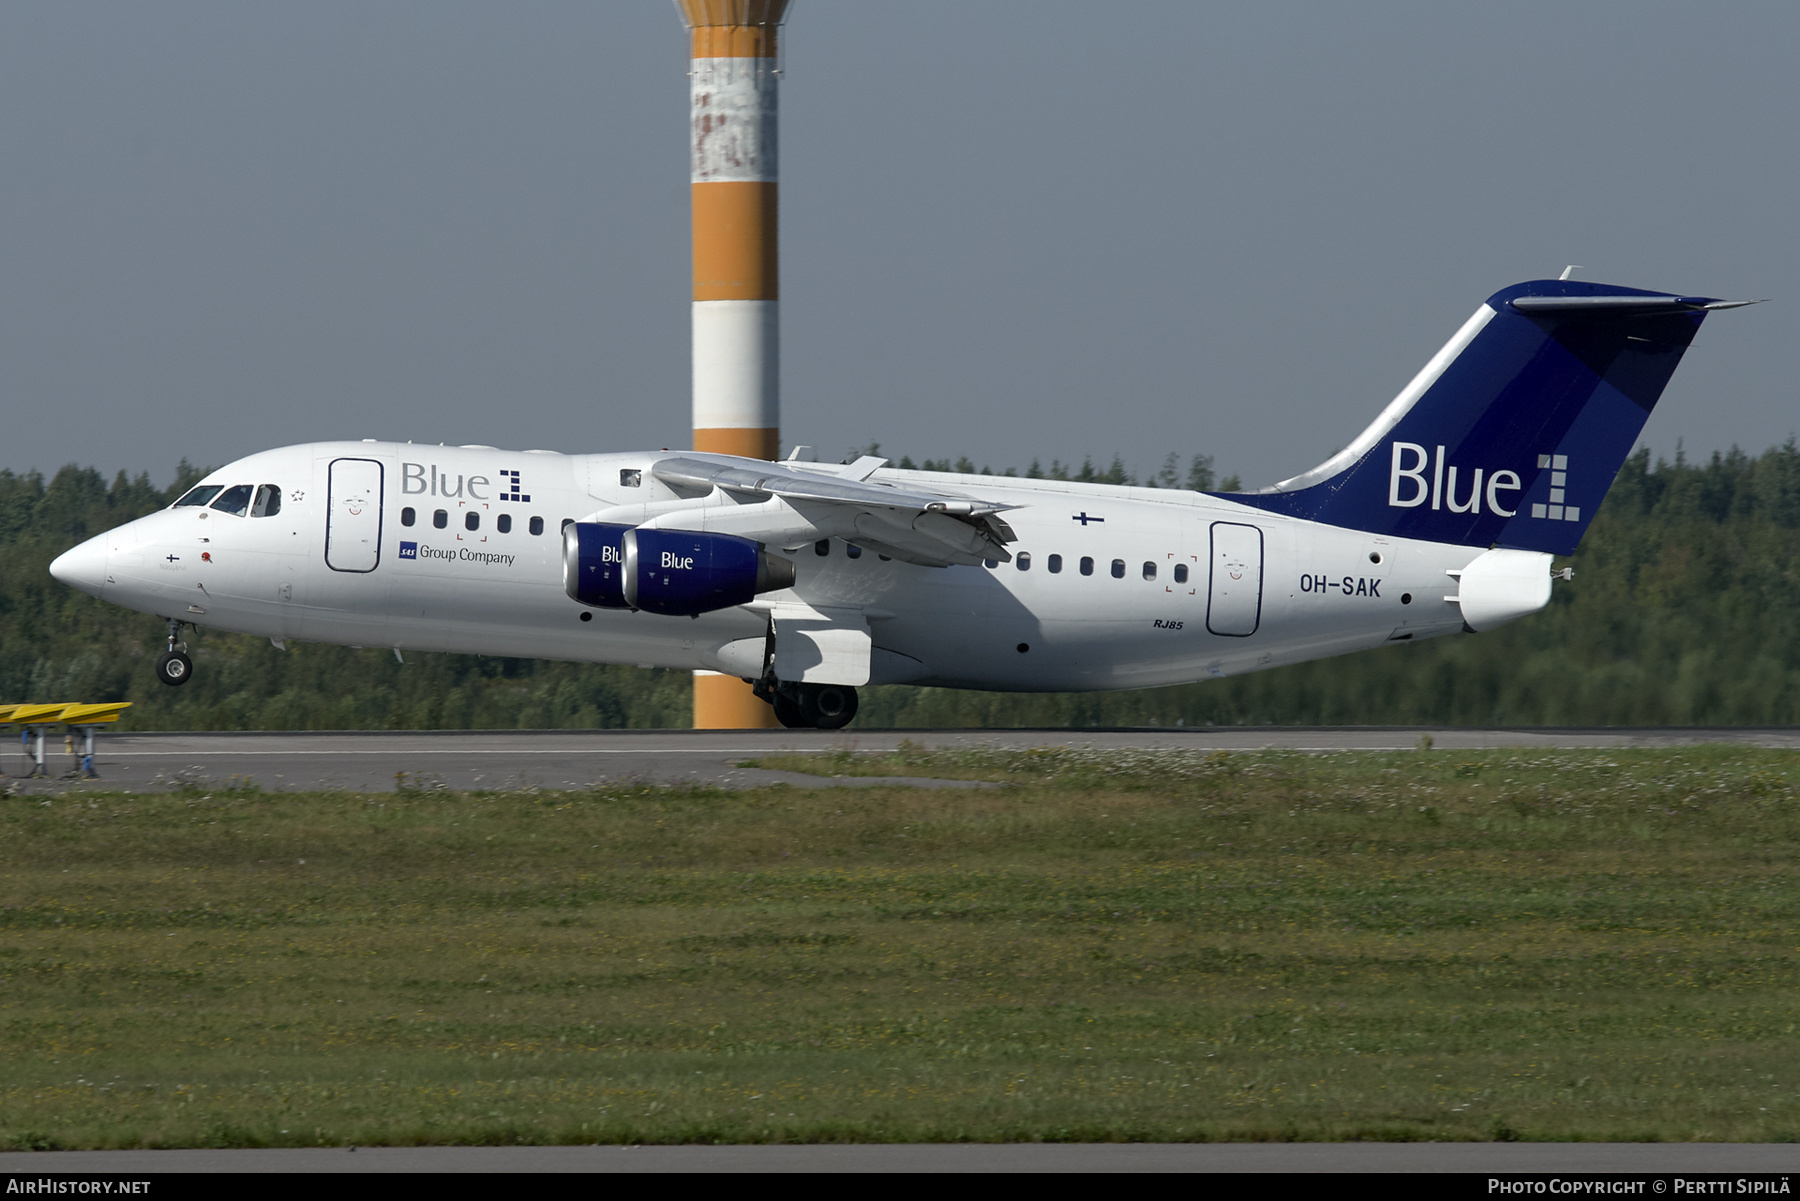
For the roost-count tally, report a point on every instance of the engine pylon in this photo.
(733, 72)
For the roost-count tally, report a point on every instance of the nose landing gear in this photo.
(174, 667)
(809, 706)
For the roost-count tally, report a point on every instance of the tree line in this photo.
(1683, 610)
(1198, 477)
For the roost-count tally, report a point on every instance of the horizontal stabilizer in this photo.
(1601, 307)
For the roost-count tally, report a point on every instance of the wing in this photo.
(791, 505)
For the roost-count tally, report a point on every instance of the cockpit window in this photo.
(200, 495)
(234, 500)
(268, 501)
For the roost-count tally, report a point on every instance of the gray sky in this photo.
(1010, 229)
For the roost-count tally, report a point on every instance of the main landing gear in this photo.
(809, 706)
(174, 667)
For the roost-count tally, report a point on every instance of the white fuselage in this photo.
(1253, 589)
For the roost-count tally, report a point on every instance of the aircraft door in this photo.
(1234, 598)
(353, 515)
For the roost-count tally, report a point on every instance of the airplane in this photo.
(811, 580)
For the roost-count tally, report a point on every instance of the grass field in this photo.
(1159, 946)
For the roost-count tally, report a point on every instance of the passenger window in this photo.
(1149, 571)
(631, 477)
(1055, 564)
(990, 564)
(1023, 561)
(200, 495)
(852, 550)
(440, 519)
(1087, 565)
(268, 501)
(407, 516)
(537, 526)
(235, 500)
(503, 523)
(567, 522)
(471, 520)
(822, 547)
(1118, 569)
(1181, 573)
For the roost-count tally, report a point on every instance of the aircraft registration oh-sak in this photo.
(811, 580)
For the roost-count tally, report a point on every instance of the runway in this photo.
(382, 761)
(1628, 1160)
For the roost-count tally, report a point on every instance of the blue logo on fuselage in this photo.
(409, 550)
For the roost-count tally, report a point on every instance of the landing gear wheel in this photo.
(174, 668)
(827, 706)
(787, 712)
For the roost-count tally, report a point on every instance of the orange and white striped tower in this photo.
(737, 399)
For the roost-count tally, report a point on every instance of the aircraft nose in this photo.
(84, 566)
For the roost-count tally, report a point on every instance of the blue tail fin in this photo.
(1513, 432)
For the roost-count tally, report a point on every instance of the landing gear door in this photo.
(1234, 599)
(353, 515)
(821, 646)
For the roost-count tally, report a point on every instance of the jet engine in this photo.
(678, 573)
